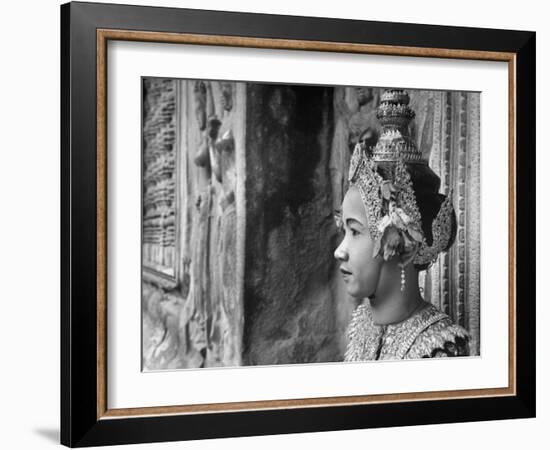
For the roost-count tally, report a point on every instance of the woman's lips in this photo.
(345, 272)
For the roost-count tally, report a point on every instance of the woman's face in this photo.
(360, 270)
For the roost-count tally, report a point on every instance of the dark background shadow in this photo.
(50, 434)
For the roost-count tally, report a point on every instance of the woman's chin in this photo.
(350, 289)
(354, 289)
(354, 292)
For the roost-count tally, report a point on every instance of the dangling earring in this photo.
(402, 278)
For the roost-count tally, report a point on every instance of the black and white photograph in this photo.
(299, 224)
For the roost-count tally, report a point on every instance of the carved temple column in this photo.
(455, 157)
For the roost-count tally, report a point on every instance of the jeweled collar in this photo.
(368, 341)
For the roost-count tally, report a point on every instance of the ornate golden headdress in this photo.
(395, 222)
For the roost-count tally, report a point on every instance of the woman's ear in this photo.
(407, 256)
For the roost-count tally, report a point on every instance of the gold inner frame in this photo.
(104, 35)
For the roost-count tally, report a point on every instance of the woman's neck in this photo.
(392, 305)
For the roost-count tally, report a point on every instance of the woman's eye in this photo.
(338, 220)
(354, 232)
(339, 223)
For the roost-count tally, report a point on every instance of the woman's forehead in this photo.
(353, 207)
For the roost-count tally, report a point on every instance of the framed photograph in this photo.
(278, 224)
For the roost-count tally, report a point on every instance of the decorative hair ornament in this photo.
(364, 176)
(395, 222)
(441, 231)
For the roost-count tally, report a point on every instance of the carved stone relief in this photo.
(199, 323)
(159, 177)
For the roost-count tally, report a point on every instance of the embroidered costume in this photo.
(427, 333)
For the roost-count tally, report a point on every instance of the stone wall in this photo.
(291, 312)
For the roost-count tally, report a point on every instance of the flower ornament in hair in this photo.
(393, 222)
(398, 235)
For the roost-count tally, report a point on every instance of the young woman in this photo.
(395, 224)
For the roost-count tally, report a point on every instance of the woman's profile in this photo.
(395, 224)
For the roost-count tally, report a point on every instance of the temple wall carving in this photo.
(159, 173)
(196, 318)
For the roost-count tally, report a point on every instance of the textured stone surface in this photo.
(290, 310)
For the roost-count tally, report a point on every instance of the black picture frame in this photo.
(81, 422)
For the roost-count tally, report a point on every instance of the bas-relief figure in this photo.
(215, 283)
(221, 145)
(194, 322)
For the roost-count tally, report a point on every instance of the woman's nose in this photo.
(341, 253)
